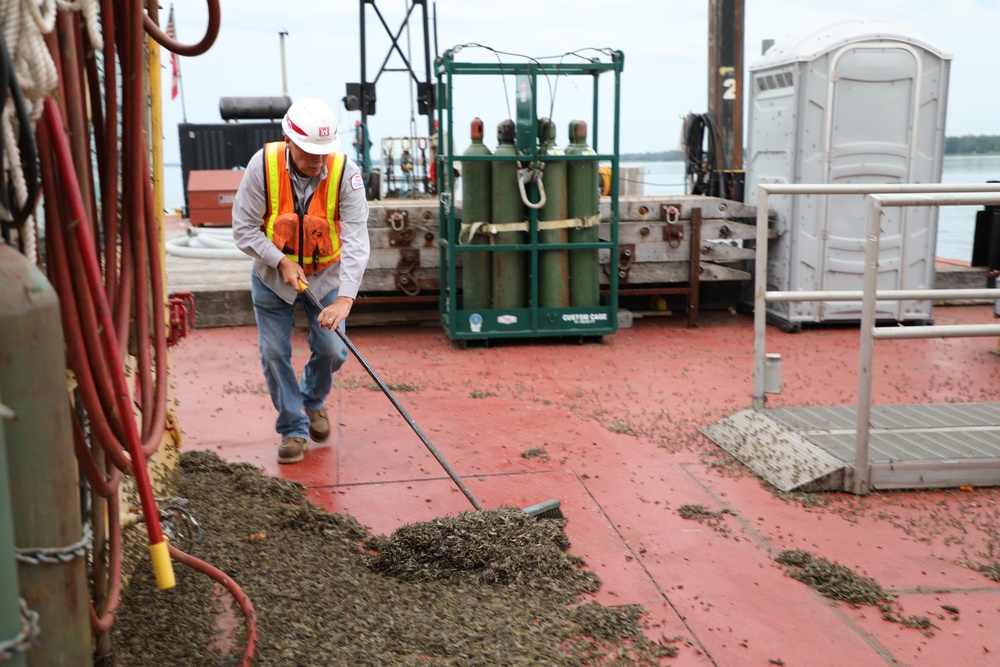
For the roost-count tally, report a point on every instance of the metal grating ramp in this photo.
(776, 452)
(910, 446)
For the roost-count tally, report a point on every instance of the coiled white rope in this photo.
(89, 10)
(24, 24)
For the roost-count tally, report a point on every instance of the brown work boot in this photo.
(319, 425)
(292, 450)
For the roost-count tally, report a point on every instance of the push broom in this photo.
(548, 509)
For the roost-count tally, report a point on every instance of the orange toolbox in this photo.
(210, 196)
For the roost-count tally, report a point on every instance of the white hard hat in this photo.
(310, 124)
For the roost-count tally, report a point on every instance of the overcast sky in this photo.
(665, 45)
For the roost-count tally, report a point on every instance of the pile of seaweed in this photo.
(839, 582)
(488, 588)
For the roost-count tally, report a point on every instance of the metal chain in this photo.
(24, 639)
(178, 522)
(50, 555)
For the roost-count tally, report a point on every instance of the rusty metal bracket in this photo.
(626, 253)
(405, 281)
(673, 234)
(671, 213)
(402, 238)
(397, 218)
(181, 305)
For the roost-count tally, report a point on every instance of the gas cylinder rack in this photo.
(521, 278)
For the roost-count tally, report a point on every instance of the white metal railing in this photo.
(879, 197)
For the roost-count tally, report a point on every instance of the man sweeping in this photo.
(301, 214)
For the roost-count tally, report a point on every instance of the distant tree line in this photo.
(978, 144)
(659, 156)
(972, 145)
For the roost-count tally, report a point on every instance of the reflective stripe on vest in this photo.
(312, 241)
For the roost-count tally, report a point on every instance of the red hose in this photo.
(107, 488)
(101, 623)
(189, 50)
(94, 357)
(64, 162)
(237, 593)
(132, 280)
(55, 249)
(158, 419)
(133, 155)
(72, 321)
(109, 164)
(104, 487)
(73, 100)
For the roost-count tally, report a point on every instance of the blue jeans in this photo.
(275, 318)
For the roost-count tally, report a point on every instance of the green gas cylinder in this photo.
(41, 466)
(553, 265)
(12, 620)
(508, 265)
(582, 183)
(477, 204)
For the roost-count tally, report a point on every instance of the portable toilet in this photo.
(859, 101)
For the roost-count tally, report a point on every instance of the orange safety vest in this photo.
(311, 239)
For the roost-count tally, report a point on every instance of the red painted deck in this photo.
(619, 424)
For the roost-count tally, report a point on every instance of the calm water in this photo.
(956, 224)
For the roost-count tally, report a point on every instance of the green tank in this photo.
(477, 206)
(553, 265)
(508, 265)
(42, 480)
(583, 186)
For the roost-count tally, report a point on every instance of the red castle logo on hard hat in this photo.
(324, 131)
(295, 128)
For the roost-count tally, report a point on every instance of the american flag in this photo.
(175, 67)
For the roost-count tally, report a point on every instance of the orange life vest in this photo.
(312, 239)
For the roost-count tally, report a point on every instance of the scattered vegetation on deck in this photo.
(496, 587)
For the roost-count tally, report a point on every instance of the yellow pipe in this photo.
(159, 553)
(156, 136)
(156, 146)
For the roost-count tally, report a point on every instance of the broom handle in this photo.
(392, 398)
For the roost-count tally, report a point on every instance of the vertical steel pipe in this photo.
(866, 354)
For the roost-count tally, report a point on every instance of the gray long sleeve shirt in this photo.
(250, 206)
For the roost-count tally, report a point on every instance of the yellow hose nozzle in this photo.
(163, 567)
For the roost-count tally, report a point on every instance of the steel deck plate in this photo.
(953, 436)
